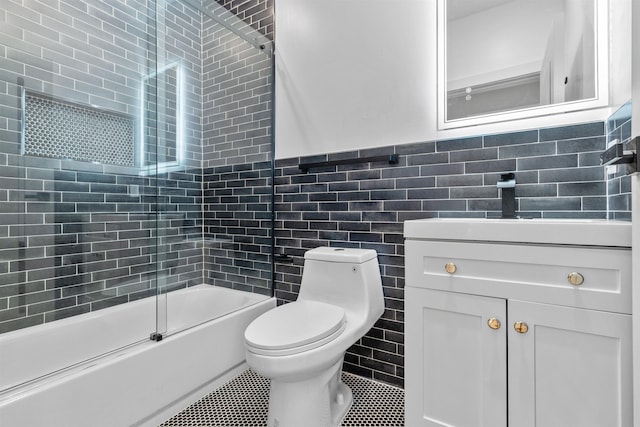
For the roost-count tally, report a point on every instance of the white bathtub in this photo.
(58, 374)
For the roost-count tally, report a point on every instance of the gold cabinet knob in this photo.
(450, 267)
(576, 279)
(521, 327)
(493, 323)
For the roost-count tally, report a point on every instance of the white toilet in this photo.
(300, 346)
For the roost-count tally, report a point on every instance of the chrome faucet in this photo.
(507, 186)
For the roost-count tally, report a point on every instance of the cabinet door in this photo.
(572, 367)
(455, 363)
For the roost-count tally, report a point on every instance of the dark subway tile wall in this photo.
(80, 236)
(365, 205)
(237, 112)
(75, 236)
(237, 223)
(237, 149)
(89, 244)
(618, 182)
(257, 13)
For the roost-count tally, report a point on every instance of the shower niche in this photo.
(57, 128)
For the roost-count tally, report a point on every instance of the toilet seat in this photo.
(295, 327)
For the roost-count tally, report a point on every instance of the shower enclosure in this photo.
(135, 157)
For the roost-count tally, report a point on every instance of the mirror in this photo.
(161, 132)
(509, 59)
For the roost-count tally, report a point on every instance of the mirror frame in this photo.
(601, 99)
(162, 167)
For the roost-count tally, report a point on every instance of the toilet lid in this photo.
(295, 324)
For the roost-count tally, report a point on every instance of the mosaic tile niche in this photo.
(65, 130)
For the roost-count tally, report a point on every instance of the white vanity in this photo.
(518, 323)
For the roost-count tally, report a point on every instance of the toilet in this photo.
(300, 346)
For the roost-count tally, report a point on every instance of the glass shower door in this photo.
(212, 160)
(78, 229)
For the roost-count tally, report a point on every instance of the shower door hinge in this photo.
(155, 336)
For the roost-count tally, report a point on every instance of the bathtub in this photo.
(101, 369)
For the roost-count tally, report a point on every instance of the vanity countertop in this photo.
(536, 231)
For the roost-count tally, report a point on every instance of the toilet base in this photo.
(319, 401)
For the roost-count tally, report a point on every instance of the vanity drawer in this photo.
(588, 277)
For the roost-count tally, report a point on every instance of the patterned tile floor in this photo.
(243, 402)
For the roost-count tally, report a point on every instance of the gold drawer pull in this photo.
(450, 267)
(493, 323)
(576, 279)
(521, 327)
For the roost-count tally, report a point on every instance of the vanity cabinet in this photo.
(520, 334)
(572, 367)
(455, 366)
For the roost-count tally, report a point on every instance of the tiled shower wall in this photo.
(238, 226)
(257, 13)
(78, 236)
(618, 180)
(237, 178)
(558, 176)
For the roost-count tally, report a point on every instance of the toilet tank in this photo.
(346, 277)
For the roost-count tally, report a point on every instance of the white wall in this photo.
(354, 74)
(350, 74)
